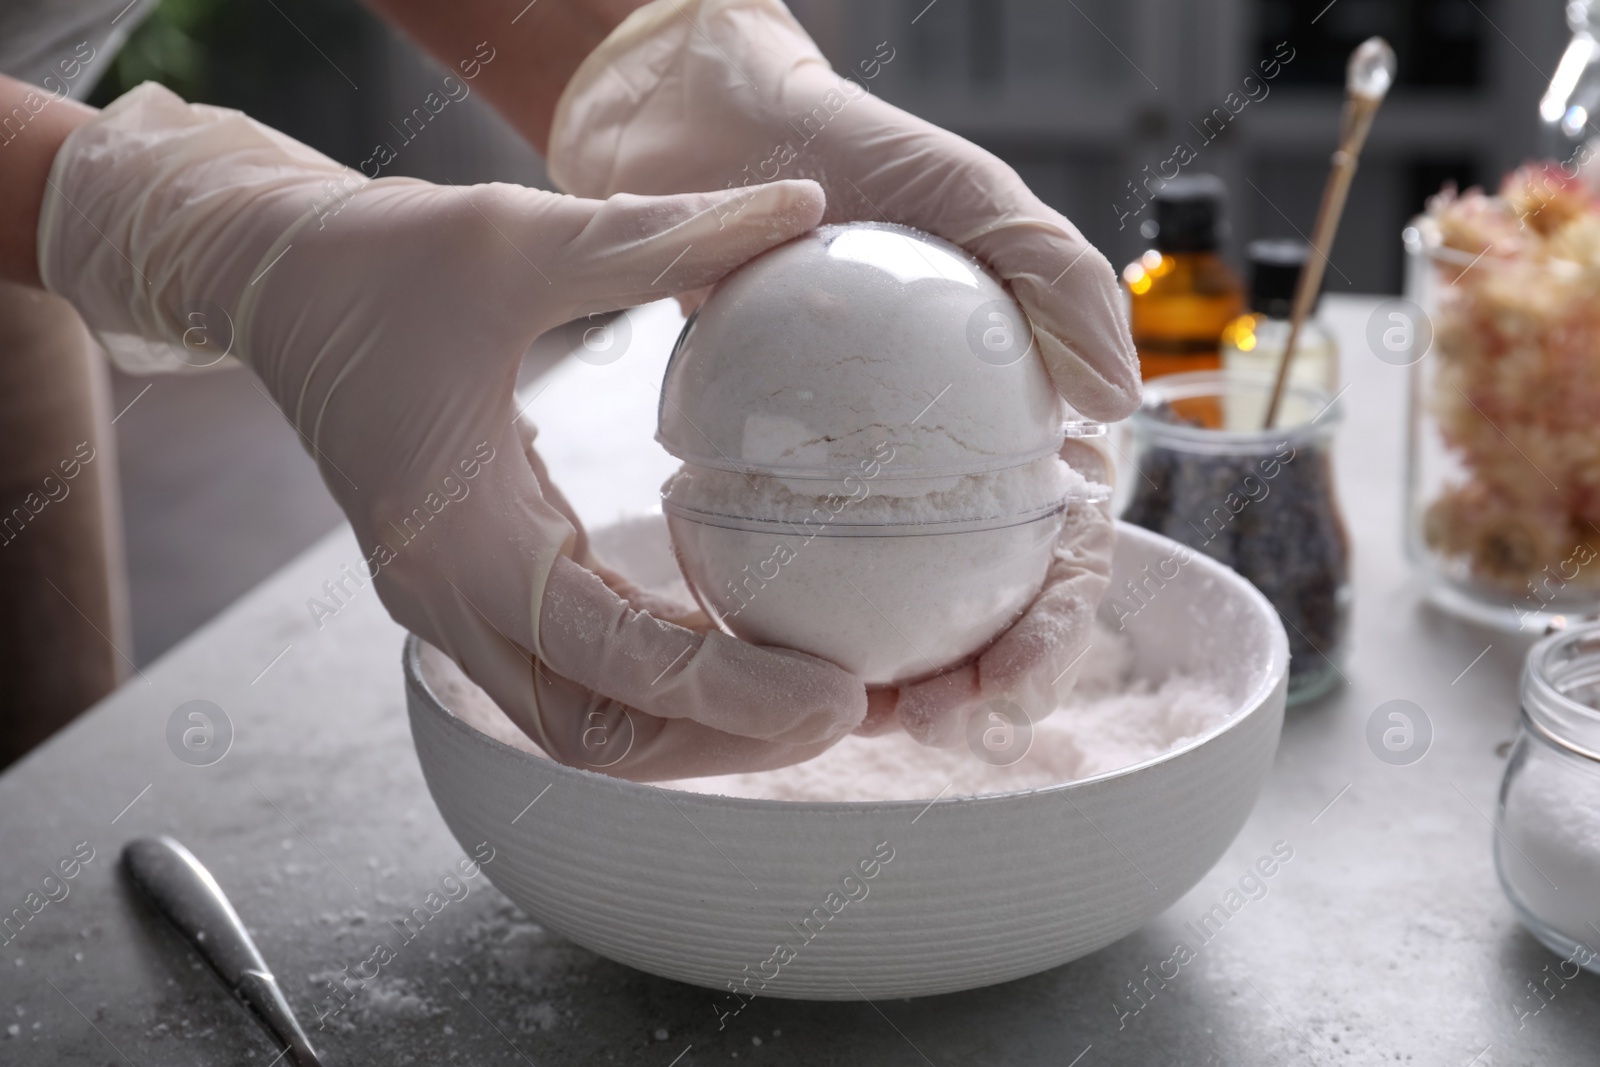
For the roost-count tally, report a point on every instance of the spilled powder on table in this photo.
(529, 968)
(381, 1000)
(1112, 719)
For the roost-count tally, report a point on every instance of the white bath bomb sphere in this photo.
(870, 442)
(815, 353)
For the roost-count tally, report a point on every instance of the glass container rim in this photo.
(1193, 385)
(1069, 431)
(1422, 238)
(1552, 714)
(796, 527)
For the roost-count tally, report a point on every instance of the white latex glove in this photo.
(387, 320)
(1035, 663)
(704, 94)
(689, 94)
(606, 734)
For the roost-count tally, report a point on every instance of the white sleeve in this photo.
(64, 46)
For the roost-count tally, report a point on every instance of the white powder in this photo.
(890, 607)
(885, 608)
(1113, 719)
(1551, 823)
(861, 499)
(378, 1001)
(815, 353)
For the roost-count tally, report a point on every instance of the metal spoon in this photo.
(182, 889)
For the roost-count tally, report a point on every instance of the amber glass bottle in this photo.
(1183, 293)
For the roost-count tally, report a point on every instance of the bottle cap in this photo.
(1189, 214)
(1275, 267)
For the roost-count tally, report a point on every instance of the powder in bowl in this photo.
(1114, 718)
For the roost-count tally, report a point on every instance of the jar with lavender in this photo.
(1260, 501)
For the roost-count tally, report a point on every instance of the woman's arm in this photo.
(33, 123)
(538, 45)
(542, 44)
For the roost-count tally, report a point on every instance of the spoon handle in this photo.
(183, 891)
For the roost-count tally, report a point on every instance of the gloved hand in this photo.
(1031, 666)
(706, 94)
(689, 94)
(387, 320)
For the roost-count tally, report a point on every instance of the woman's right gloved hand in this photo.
(387, 320)
(702, 94)
(1031, 666)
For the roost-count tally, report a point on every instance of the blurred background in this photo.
(1079, 95)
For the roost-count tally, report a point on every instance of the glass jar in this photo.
(1503, 444)
(1547, 845)
(1570, 103)
(1260, 501)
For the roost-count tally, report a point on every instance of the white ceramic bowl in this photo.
(704, 889)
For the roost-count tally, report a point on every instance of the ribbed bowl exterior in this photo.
(773, 897)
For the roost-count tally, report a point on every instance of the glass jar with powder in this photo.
(1547, 848)
(1260, 501)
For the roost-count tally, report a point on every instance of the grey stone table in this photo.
(1384, 938)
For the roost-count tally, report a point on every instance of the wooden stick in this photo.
(1358, 115)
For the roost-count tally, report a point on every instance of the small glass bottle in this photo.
(1547, 844)
(1252, 344)
(1182, 292)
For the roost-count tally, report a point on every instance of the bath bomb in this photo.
(852, 337)
(870, 445)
